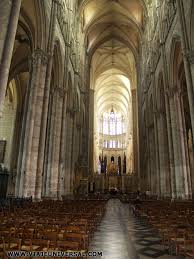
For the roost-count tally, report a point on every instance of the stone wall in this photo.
(164, 161)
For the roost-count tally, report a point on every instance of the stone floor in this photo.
(122, 236)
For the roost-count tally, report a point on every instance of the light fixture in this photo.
(112, 113)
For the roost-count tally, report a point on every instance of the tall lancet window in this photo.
(112, 128)
(112, 123)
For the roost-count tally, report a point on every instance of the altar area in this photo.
(112, 168)
(124, 183)
(112, 178)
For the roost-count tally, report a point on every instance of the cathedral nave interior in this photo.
(96, 127)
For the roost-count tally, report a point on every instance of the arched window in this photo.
(112, 128)
(112, 123)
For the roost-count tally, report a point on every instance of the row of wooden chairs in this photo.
(50, 226)
(174, 223)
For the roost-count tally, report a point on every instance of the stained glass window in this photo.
(112, 124)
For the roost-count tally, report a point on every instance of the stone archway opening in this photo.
(14, 106)
(113, 30)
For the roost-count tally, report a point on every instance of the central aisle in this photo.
(112, 237)
(120, 235)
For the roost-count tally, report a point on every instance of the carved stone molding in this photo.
(57, 2)
(62, 17)
(61, 91)
(67, 44)
(39, 54)
(168, 16)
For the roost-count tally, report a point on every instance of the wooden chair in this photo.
(67, 245)
(186, 248)
(11, 243)
(2, 248)
(40, 244)
(52, 237)
(80, 238)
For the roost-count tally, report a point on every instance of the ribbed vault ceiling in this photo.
(113, 30)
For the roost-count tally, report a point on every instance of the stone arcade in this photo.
(97, 105)
(87, 83)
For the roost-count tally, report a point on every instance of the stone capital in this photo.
(67, 44)
(39, 54)
(57, 2)
(60, 91)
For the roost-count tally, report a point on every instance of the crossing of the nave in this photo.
(96, 127)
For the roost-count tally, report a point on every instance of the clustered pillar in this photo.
(9, 15)
(171, 86)
(50, 132)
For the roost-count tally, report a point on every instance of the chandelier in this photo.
(112, 113)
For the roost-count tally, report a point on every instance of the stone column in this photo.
(170, 149)
(147, 161)
(155, 159)
(76, 163)
(64, 178)
(135, 131)
(91, 132)
(62, 148)
(71, 150)
(49, 144)
(23, 133)
(169, 128)
(56, 147)
(37, 179)
(9, 15)
(68, 148)
(77, 138)
(186, 58)
(147, 177)
(163, 155)
(44, 115)
(183, 144)
(87, 115)
(74, 154)
(179, 179)
(5, 11)
(167, 109)
(161, 176)
(191, 157)
(64, 125)
(39, 61)
(80, 139)
(190, 56)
